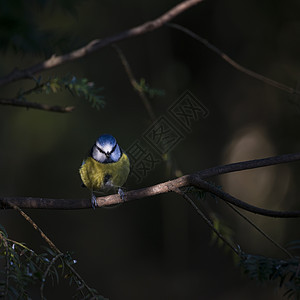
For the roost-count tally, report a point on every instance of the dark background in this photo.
(159, 248)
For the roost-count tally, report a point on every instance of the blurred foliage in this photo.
(20, 31)
(150, 91)
(77, 87)
(294, 245)
(232, 25)
(22, 268)
(263, 269)
(283, 273)
(224, 230)
(19, 28)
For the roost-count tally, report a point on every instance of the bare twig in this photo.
(35, 105)
(135, 84)
(35, 226)
(79, 280)
(3, 240)
(95, 45)
(233, 63)
(195, 179)
(206, 220)
(260, 231)
(54, 259)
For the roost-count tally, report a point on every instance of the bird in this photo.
(106, 168)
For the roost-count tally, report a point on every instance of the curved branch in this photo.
(233, 63)
(195, 179)
(206, 186)
(95, 45)
(249, 164)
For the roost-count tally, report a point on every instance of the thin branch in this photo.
(79, 280)
(95, 45)
(3, 240)
(195, 179)
(35, 226)
(135, 84)
(206, 220)
(35, 105)
(260, 231)
(233, 63)
(54, 259)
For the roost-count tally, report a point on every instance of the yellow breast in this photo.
(100, 177)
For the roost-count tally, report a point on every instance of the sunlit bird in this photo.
(106, 169)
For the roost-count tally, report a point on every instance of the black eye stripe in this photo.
(113, 149)
(99, 149)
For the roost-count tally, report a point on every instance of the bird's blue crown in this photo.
(106, 140)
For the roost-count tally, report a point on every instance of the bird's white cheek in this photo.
(97, 155)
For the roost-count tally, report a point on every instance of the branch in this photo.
(260, 231)
(95, 45)
(44, 203)
(35, 105)
(250, 164)
(195, 179)
(3, 241)
(53, 261)
(79, 280)
(207, 220)
(135, 84)
(202, 184)
(233, 63)
(35, 226)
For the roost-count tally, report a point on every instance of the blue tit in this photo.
(107, 167)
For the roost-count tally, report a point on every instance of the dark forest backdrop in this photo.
(156, 248)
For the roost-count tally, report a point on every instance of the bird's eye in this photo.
(107, 153)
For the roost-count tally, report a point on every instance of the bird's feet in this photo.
(121, 194)
(94, 201)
